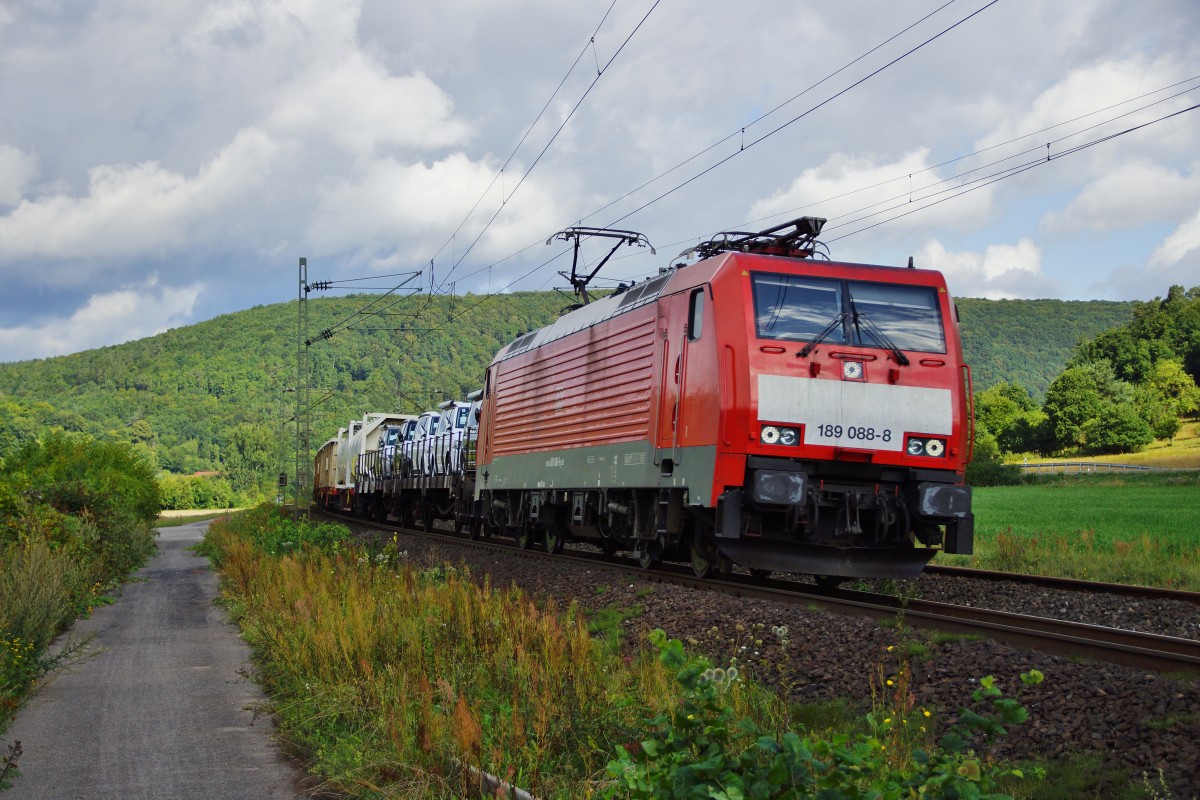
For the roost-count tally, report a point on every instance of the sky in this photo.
(165, 163)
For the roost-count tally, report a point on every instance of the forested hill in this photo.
(1029, 341)
(212, 395)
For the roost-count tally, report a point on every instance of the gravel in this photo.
(1138, 721)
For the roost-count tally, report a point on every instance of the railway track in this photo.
(1140, 650)
(1070, 584)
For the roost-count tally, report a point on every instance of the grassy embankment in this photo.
(1127, 527)
(385, 677)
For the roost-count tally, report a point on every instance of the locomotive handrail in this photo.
(970, 418)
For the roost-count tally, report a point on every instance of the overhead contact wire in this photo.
(799, 117)
(558, 131)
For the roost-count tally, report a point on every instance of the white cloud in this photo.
(1184, 241)
(1001, 271)
(421, 205)
(1087, 89)
(120, 316)
(134, 210)
(16, 170)
(361, 107)
(853, 191)
(1133, 194)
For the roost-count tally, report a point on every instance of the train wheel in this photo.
(427, 517)
(704, 557)
(555, 539)
(760, 574)
(648, 554)
(473, 529)
(524, 536)
(828, 581)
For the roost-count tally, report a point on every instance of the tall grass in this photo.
(385, 676)
(397, 682)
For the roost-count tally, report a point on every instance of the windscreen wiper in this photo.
(820, 337)
(879, 336)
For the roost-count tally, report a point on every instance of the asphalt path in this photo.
(159, 709)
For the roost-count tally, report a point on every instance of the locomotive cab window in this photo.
(696, 315)
(796, 307)
(907, 315)
(867, 314)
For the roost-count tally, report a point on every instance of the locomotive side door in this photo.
(671, 313)
(681, 326)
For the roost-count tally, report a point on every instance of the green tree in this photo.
(1028, 433)
(1072, 399)
(1117, 428)
(1172, 382)
(251, 454)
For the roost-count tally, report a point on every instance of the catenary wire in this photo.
(524, 136)
(799, 117)
(554, 137)
(762, 117)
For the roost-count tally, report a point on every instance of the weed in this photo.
(1171, 721)
(939, 638)
(702, 747)
(8, 765)
(607, 625)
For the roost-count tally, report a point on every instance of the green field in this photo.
(1131, 528)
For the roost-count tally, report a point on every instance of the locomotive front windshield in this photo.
(803, 308)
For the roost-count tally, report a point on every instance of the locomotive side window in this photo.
(796, 307)
(696, 315)
(907, 315)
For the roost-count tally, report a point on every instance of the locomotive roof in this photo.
(589, 315)
(649, 291)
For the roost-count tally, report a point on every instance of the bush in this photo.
(993, 472)
(700, 750)
(277, 533)
(182, 492)
(74, 519)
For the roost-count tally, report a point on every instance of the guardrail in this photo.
(1083, 467)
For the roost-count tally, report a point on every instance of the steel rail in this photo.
(1148, 651)
(1069, 584)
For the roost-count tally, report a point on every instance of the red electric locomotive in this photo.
(758, 407)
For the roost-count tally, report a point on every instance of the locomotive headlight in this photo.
(773, 434)
(930, 448)
(852, 370)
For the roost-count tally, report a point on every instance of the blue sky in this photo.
(163, 163)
